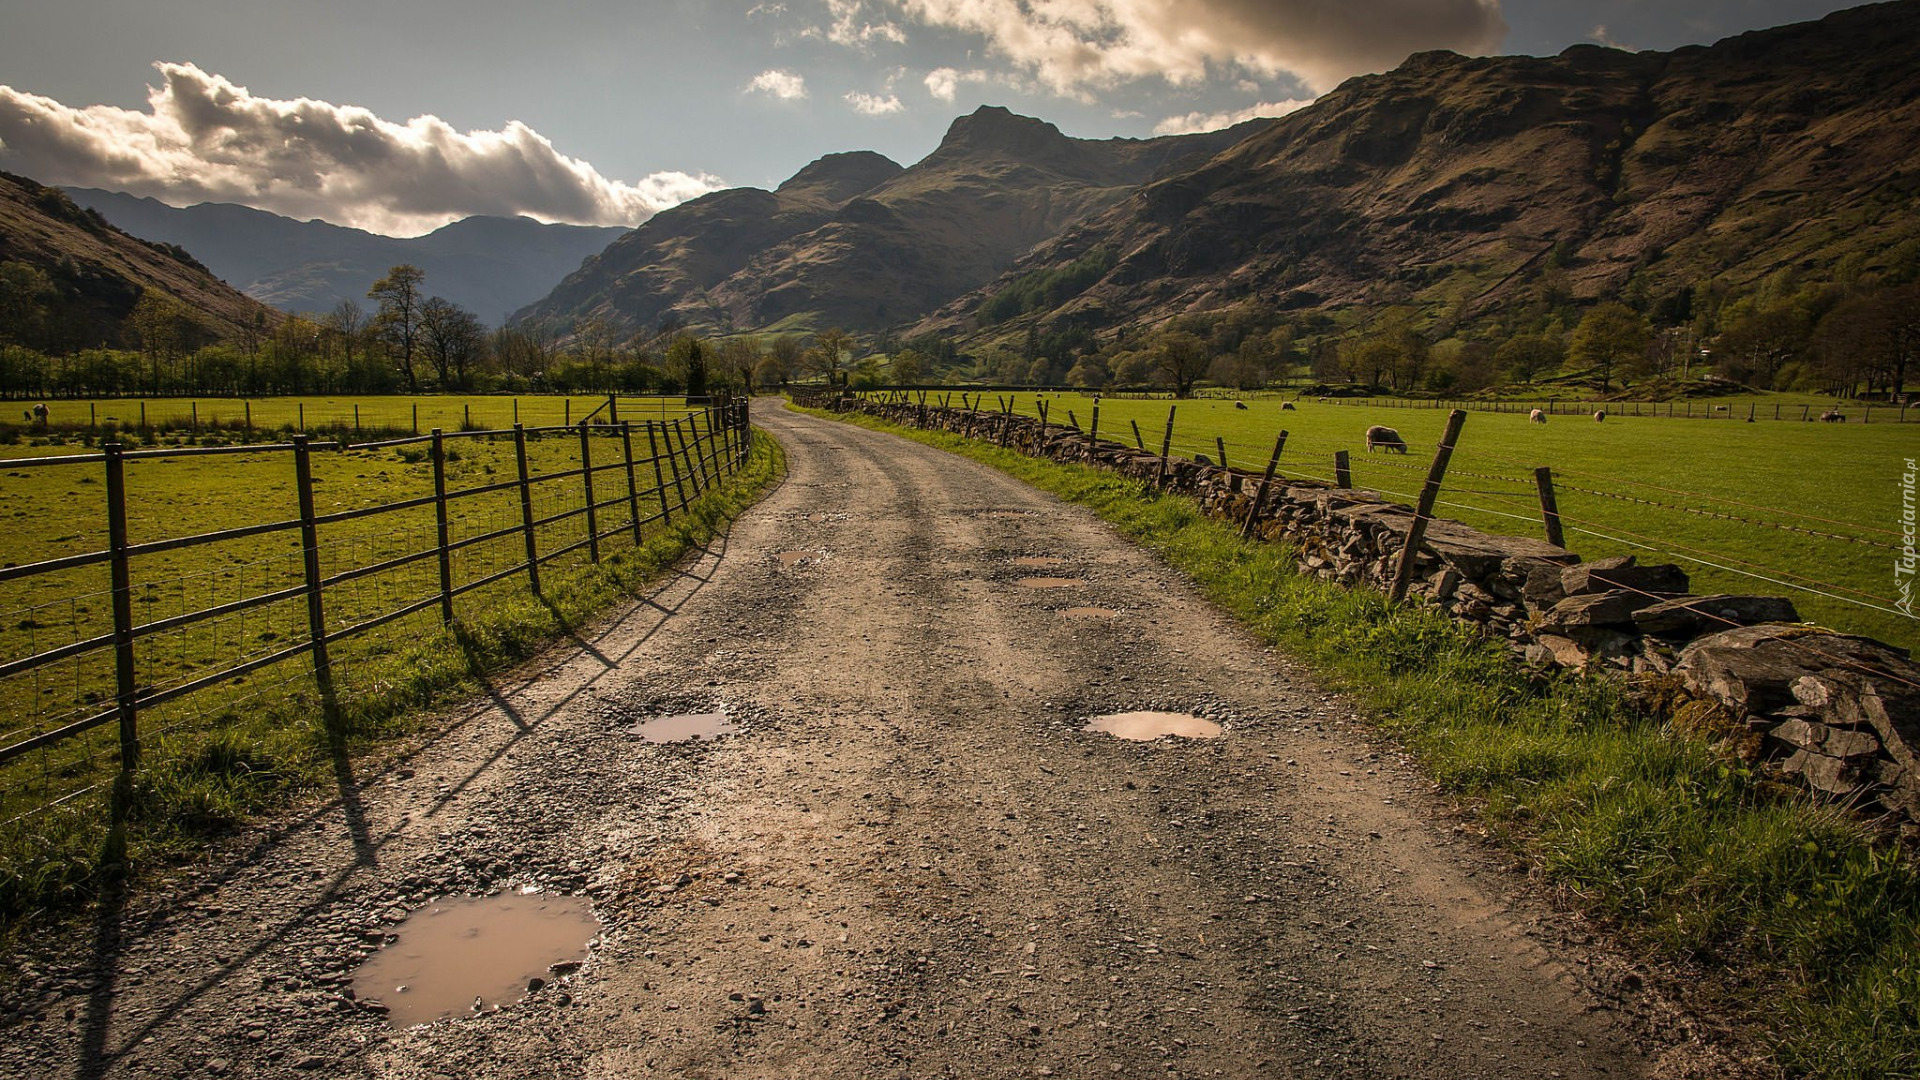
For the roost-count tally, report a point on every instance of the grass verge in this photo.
(260, 759)
(1791, 914)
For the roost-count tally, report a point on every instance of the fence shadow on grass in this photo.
(114, 929)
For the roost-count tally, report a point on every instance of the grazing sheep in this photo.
(39, 414)
(1240, 405)
(1386, 439)
(1286, 406)
(1833, 416)
(1536, 417)
(1719, 408)
(1599, 416)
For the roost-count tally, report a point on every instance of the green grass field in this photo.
(1789, 913)
(1810, 511)
(60, 510)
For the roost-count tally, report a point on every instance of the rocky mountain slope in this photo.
(488, 265)
(94, 274)
(1470, 185)
(857, 241)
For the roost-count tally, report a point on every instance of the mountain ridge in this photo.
(1485, 187)
(888, 253)
(488, 265)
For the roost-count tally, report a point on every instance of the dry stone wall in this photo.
(1841, 713)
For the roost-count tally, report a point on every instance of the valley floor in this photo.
(910, 862)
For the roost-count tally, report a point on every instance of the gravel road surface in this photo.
(911, 860)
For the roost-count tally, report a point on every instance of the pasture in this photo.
(1810, 511)
(204, 609)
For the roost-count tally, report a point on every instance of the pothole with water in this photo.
(1050, 582)
(791, 559)
(1148, 725)
(464, 955)
(1090, 613)
(685, 727)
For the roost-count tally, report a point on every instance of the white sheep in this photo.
(1536, 417)
(1240, 405)
(1286, 406)
(1833, 416)
(1599, 416)
(1385, 439)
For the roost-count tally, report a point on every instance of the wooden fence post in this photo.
(1260, 497)
(440, 524)
(143, 418)
(356, 418)
(316, 608)
(125, 681)
(1042, 406)
(526, 508)
(248, 406)
(1138, 440)
(1549, 507)
(566, 410)
(1220, 444)
(416, 418)
(1166, 445)
(586, 487)
(1417, 532)
(613, 409)
(193, 414)
(1093, 430)
(1342, 470)
(633, 484)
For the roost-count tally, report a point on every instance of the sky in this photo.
(401, 115)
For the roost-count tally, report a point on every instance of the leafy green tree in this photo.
(1609, 335)
(1529, 356)
(1182, 357)
(689, 360)
(831, 350)
(908, 367)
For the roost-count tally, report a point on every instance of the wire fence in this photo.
(157, 595)
(1828, 564)
(353, 416)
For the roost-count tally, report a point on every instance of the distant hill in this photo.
(488, 265)
(857, 241)
(1474, 186)
(94, 274)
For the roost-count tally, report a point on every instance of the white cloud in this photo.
(851, 28)
(784, 85)
(1073, 45)
(206, 139)
(1600, 36)
(874, 104)
(944, 83)
(1197, 121)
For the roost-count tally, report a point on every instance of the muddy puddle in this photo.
(1147, 726)
(791, 559)
(463, 954)
(1050, 582)
(1090, 613)
(686, 727)
(1039, 561)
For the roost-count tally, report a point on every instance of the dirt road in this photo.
(911, 861)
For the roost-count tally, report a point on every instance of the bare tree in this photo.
(398, 319)
(453, 339)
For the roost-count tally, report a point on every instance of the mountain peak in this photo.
(836, 178)
(995, 128)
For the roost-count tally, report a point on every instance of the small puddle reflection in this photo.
(1147, 726)
(1050, 582)
(466, 952)
(1039, 561)
(689, 727)
(791, 559)
(1090, 613)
